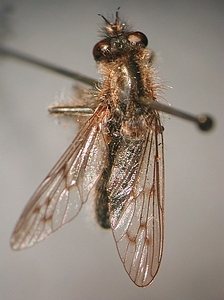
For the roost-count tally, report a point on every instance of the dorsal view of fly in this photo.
(116, 159)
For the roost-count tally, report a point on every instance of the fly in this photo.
(117, 158)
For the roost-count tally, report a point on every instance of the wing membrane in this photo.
(60, 196)
(136, 191)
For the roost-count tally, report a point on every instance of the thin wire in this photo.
(203, 121)
(48, 66)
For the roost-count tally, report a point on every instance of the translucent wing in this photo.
(60, 196)
(136, 192)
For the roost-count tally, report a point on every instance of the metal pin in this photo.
(204, 122)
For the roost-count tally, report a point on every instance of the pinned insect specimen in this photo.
(117, 158)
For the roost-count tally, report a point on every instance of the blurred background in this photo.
(81, 261)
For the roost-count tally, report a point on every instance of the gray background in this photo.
(80, 261)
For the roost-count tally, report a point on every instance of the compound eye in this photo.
(138, 38)
(100, 49)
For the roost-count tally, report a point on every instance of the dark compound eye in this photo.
(100, 49)
(138, 38)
